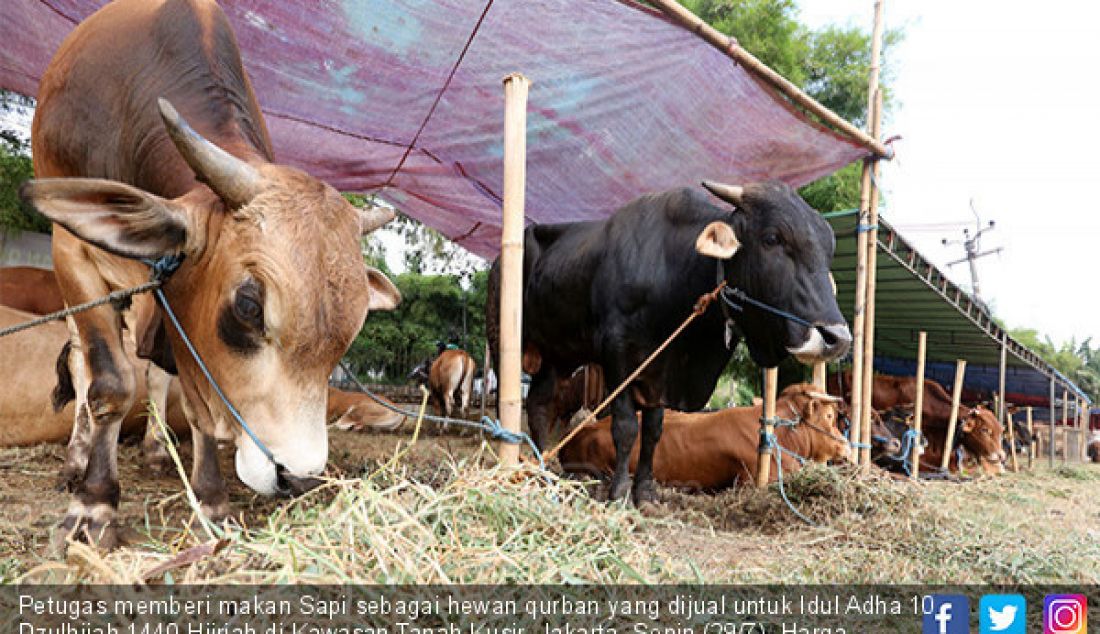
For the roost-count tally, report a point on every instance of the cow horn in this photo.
(372, 217)
(232, 179)
(729, 193)
(824, 397)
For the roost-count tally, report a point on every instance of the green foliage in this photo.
(433, 308)
(16, 168)
(1078, 362)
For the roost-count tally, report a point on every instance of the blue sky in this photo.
(999, 104)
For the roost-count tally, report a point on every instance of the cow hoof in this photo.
(69, 479)
(102, 535)
(216, 512)
(158, 463)
(618, 490)
(645, 493)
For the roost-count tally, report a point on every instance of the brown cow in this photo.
(36, 291)
(29, 289)
(714, 450)
(27, 416)
(978, 436)
(1094, 446)
(583, 390)
(272, 289)
(894, 391)
(355, 411)
(451, 380)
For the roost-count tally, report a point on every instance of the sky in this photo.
(1000, 106)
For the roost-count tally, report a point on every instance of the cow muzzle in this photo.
(294, 471)
(823, 343)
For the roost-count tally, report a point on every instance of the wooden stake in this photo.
(1031, 447)
(1053, 413)
(956, 397)
(819, 376)
(763, 461)
(723, 43)
(485, 368)
(918, 406)
(1002, 406)
(1065, 426)
(511, 260)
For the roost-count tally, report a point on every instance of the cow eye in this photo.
(771, 239)
(248, 307)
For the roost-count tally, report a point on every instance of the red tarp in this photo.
(622, 102)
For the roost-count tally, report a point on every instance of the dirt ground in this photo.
(1025, 527)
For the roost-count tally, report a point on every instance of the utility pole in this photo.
(972, 245)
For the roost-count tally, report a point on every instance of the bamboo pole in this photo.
(819, 376)
(764, 454)
(1050, 449)
(869, 313)
(1081, 430)
(1065, 425)
(731, 48)
(956, 397)
(511, 260)
(1002, 405)
(485, 368)
(918, 406)
(1031, 448)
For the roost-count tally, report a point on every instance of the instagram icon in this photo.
(1065, 614)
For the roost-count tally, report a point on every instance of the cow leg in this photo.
(76, 454)
(624, 432)
(645, 489)
(467, 389)
(92, 509)
(206, 476)
(540, 405)
(153, 453)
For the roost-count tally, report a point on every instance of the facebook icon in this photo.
(950, 614)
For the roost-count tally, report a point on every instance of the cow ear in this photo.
(383, 294)
(717, 241)
(115, 217)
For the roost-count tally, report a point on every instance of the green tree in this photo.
(15, 166)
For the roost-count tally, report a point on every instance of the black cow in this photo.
(610, 292)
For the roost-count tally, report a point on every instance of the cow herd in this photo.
(150, 149)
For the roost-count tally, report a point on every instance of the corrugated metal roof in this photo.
(913, 295)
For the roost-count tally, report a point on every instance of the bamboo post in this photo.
(763, 459)
(956, 397)
(918, 406)
(819, 376)
(1050, 449)
(511, 260)
(1002, 405)
(729, 47)
(1031, 447)
(485, 368)
(1065, 425)
(1083, 432)
(869, 311)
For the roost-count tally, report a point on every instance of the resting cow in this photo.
(36, 291)
(610, 292)
(451, 380)
(714, 450)
(272, 288)
(1094, 446)
(355, 411)
(27, 414)
(978, 436)
(29, 289)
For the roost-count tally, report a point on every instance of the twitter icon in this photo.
(1003, 614)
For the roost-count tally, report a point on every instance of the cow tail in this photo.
(63, 392)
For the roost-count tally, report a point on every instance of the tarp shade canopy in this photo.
(913, 295)
(623, 102)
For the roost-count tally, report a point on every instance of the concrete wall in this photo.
(25, 248)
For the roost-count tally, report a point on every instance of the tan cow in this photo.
(30, 289)
(27, 415)
(451, 380)
(355, 411)
(36, 291)
(148, 142)
(714, 450)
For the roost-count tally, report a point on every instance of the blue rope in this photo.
(488, 425)
(161, 269)
(771, 443)
(862, 228)
(742, 297)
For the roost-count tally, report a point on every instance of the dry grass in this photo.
(436, 514)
